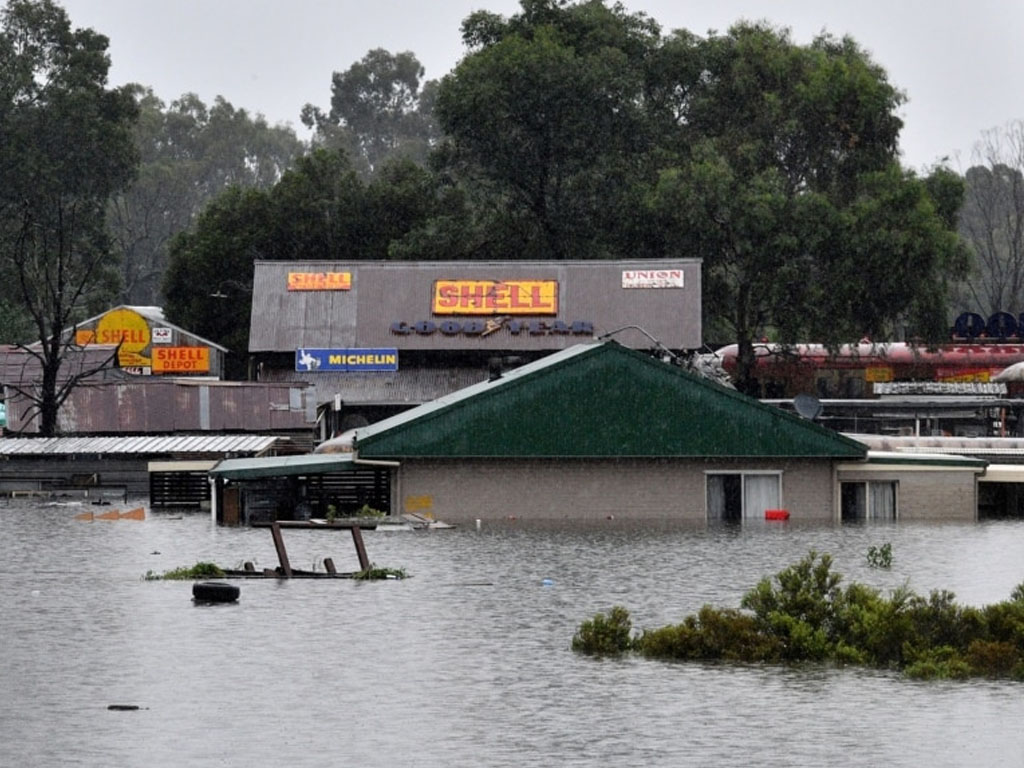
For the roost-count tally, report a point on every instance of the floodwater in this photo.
(466, 663)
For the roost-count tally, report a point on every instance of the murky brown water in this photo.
(467, 663)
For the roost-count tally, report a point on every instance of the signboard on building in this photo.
(162, 335)
(181, 360)
(319, 281)
(120, 326)
(346, 359)
(495, 297)
(652, 278)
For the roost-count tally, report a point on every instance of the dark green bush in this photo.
(712, 635)
(198, 571)
(605, 635)
(942, 663)
(802, 614)
(989, 658)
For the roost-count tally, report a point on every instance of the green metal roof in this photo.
(600, 400)
(283, 466)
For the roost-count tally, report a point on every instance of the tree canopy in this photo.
(379, 110)
(320, 209)
(992, 222)
(578, 130)
(65, 148)
(775, 163)
(189, 153)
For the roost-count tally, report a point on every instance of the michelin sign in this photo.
(346, 360)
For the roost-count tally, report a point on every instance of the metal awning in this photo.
(1003, 473)
(283, 466)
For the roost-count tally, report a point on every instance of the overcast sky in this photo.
(961, 64)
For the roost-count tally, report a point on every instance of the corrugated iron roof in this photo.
(386, 292)
(902, 459)
(170, 444)
(600, 399)
(963, 446)
(283, 466)
(408, 386)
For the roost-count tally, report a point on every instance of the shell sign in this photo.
(120, 326)
(495, 297)
(136, 353)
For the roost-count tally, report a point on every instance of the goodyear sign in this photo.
(346, 359)
(495, 297)
(319, 281)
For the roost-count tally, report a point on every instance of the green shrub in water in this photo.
(197, 571)
(605, 635)
(712, 635)
(373, 573)
(803, 614)
(880, 557)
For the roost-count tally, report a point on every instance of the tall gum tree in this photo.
(65, 148)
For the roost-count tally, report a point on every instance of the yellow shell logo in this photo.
(129, 329)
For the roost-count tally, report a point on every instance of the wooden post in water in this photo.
(357, 539)
(282, 554)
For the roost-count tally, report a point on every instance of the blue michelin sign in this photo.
(346, 359)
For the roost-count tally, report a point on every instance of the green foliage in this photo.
(880, 557)
(802, 614)
(320, 209)
(942, 663)
(581, 131)
(544, 121)
(712, 635)
(604, 635)
(190, 153)
(373, 573)
(367, 511)
(799, 607)
(200, 570)
(378, 111)
(66, 149)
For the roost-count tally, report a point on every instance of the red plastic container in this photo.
(776, 514)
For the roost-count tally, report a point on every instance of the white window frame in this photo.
(743, 475)
(869, 512)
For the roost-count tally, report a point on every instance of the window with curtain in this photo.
(742, 495)
(869, 500)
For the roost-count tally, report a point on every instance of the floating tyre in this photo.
(776, 514)
(215, 592)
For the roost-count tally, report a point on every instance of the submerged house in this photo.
(599, 431)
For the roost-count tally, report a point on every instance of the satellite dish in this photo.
(807, 406)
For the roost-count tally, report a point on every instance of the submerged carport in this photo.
(297, 487)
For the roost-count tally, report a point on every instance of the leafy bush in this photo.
(605, 635)
(802, 614)
(197, 571)
(712, 635)
(373, 573)
(880, 557)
